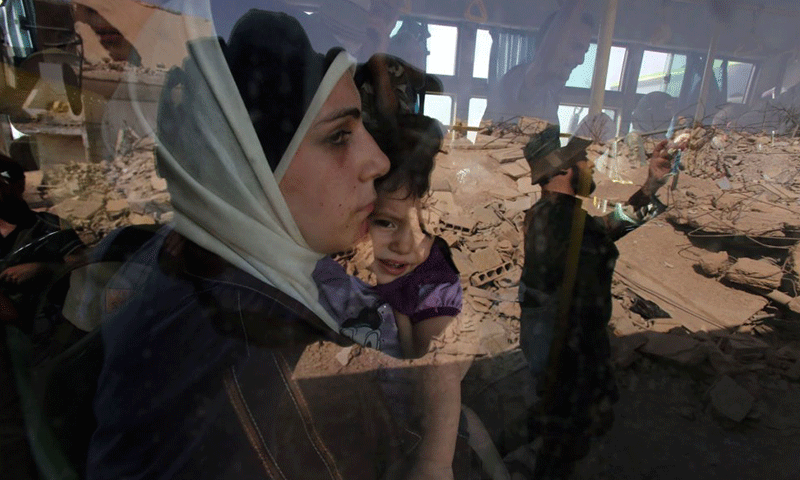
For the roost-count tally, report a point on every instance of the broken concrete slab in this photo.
(516, 169)
(486, 217)
(519, 205)
(733, 213)
(526, 188)
(507, 155)
(794, 259)
(713, 264)
(79, 209)
(493, 337)
(116, 206)
(642, 266)
(731, 400)
(159, 184)
(509, 309)
(137, 219)
(485, 259)
(489, 275)
(625, 348)
(344, 355)
(623, 321)
(489, 142)
(444, 200)
(459, 223)
(681, 349)
(756, 274)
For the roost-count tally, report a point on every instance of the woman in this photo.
(269, 168)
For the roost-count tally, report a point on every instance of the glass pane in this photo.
(616, 63)
(739, 74)
(442, 47)
(571, 116)
(483, 46)
(476, 108)
(439, 107)
(581, 76)
(661, 72)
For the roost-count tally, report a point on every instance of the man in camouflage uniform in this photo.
(565, 314)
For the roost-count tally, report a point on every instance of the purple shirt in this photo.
(365, 314)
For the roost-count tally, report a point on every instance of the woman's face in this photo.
(329, 184)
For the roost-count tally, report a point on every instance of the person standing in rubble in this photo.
(534, 88)
(565, 311)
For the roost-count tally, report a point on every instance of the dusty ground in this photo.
(664, 429)
(738, 196)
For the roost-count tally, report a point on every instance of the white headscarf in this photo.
(225, 196)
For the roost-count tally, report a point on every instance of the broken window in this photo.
(442, 47)
(439, 107)
(581, 77)
(661, 72)
(483, 47)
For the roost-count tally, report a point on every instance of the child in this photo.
(419, 289)
(417, 296)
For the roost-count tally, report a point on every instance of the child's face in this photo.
(399, 238)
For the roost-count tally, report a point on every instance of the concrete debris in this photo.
(680, 349)
(460, 224)
(99, 197)
(505, 270)
(116, 206)
(480, 192)
(700, 303)
(507, 155)
(74, 209)
(794, 260)
(516, 169)
(485, 259)
(344, 355)
(792, 303)
(754, 274)
(713, 264)
(731, 400)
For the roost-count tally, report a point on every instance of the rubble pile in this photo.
(708, 286)
(713, 275)
(97, 198)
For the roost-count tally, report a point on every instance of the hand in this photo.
(660, 166)
(22, 273)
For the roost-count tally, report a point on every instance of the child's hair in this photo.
(391, 90)
(411, 145)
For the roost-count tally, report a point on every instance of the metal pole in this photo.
(601, 60)
(708, 77)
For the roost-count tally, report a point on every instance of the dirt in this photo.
(667, 426)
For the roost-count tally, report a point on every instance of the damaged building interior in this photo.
(704, 321)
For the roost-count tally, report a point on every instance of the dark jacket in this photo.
(198, 382)
(583, 368)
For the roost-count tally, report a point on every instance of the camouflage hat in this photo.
(546, 157)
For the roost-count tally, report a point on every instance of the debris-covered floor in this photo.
(706, 326)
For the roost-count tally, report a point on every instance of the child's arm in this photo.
(415, 340)
(439, 397)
